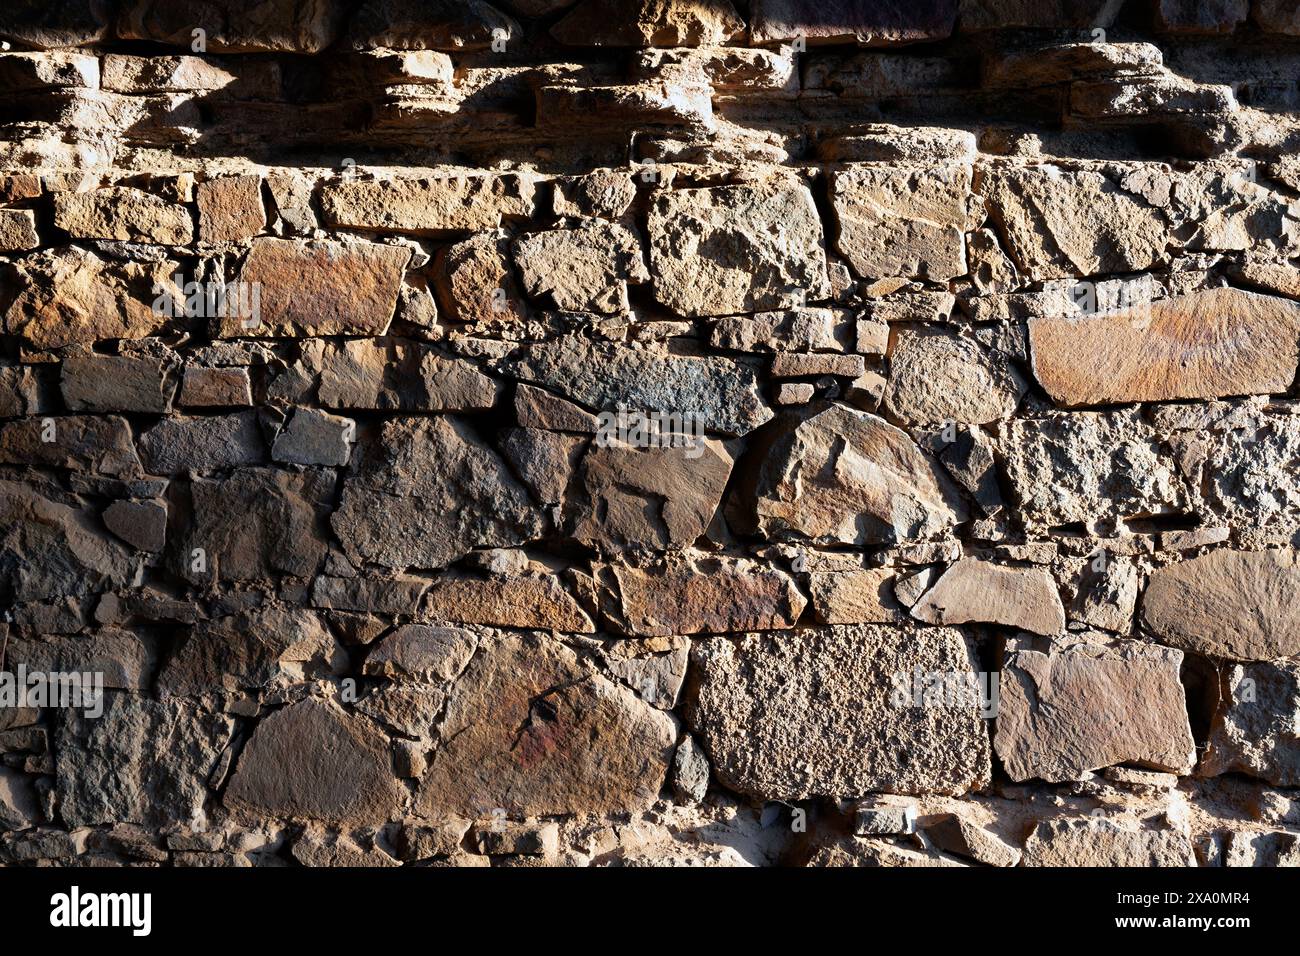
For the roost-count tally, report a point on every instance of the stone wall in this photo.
(334, 332)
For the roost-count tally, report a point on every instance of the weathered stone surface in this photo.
(71, 296)
(48, 26)
(257, 523)
(862, 21)
(1059, 222)
(1204, 345)
(531, 729)
(320, 288)
(539, 603)
(430, 207)
(230, 208)
(215, 387)
(854, 597)
(253, 650)
(582, 270)
(773, 712)
(476, 282)
(111, 768)
(49, 548)
(429, 492)
(977, 15)
(1276, 16)
(141, 524)
(1253, 730)
(721, 394)
(279, 26)
(896, 221)
(1081, 466)
(117, 383)
(543, 459)
(18, 230)
(121, 658)
(642, 23)
(737, 249)
(981, 591)
(97, 444)
(209, 443)
(649, 497)
(313, 437)
(538, 408)
(314, 761)
(1081, 702)
(714, 597)
(956, 834)
(800, 330)
(1087, 841)
(935, 377)
(1108, 594)
(123, 213)
(848, 477)
(429, 25)
(1241, 605)
(1187, 16)
(418, 652)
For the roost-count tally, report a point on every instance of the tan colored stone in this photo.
(230, 208)
(849, 477)
(312, 760)
(582, 270)
(320, 288)
(644, 23)
(538, 408)
(475, 281)
(653, 498)
(18, 230)
(532, 730)
(418, 652)
(865, 22)
(713, 597)
(1203, 345)
(774, 713)
(428, 207)
(71, 296)
(1242, 605)
(1254, 726)
(121, 212)
(731, 249)
(976, 591)
(854, 597)
(901, 221)
(936, 377)
(1093, 842)
(1071, 704)
(523, 601)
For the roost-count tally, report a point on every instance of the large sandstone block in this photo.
(907, 222)
(582, 270)
(428, 492)
(1081, 702)
(727, 249)
(1203, 345)
(935, 377)
(428, 207)
(97, 444)
(844, 476)
(647, 23)
(429, 25)
(123, 213)
(70, 296)
(1092, 842)
(313, 760)
(111, 769)
(319, 288)
(793, 715)
(1081, 466)
(533, 730)
(1242, 605)
(1073, 222)
(51, 24)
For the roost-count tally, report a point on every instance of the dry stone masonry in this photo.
(655, 432)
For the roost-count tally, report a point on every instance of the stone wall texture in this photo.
(650, 432)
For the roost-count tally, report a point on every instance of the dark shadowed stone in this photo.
(312, 760)
(430, 25)
(792, 715)
(254, 649)
(112, 768)
(101, 445)
(429, 492)
(533, 730)
(210, 443)
(51, 24)
(233, 26)
(49, 549)
(644, 23)
(258, 522)
(868, 22)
